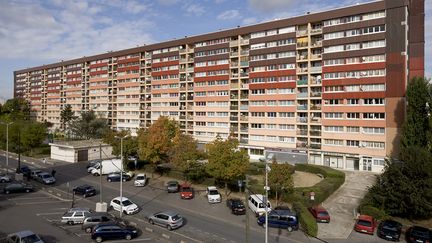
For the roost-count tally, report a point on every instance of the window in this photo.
(333, 102)
(351, 47)
(333, 142)
(271, 114)
(286, 127)
(287, 30)
(257, 46)
(286, 114)
(353, 115)
(258, 114)
(378, 162)
(334, 35)
(373, 130)
(353, 143)
(374, 15)
(334, 62)
(373, 145)
(373, 44)
(257, 103)
(271, 103)
(352, 101)
(374, 116)
(331, 49)
(353, 129)
(258, 91)
(373, 29)
(271, 91)
(333, 115)
(332, 22)
(353, 60)
(350, 33)
(374, 101)
(373, 87)
(333, 128)
(376, 58)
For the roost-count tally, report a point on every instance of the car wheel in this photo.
(124, 211)
(128, 237)
(7, 192)
(27, 190)
(2, 180)
(151, 221)
(169, 227)
(84, 195)
(109, 180)
(290, 229)
(88, 230)
(98, 239)
(70, 223)
(124, 180)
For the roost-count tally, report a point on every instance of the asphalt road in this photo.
(204, 222)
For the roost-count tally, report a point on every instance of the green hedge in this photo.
(376, 213)
(307, 221)
(333, 179)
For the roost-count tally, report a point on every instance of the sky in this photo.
(37, 32)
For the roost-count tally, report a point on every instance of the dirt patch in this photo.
(304, 179)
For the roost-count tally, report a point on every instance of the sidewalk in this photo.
(342, 205)
(31, 160)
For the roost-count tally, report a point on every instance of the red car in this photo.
(186, 191)
(365, 224)
(320, 214)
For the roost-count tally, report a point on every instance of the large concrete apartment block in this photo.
(325, 88)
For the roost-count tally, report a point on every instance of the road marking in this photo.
(134, 240)
(27, 198)
(187, 237)
(41, 214)
(33, 203)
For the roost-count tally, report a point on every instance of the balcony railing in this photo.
(315, 94)
(315, 133)
(301, 144)
(301, 32)
(234, 54)
(244, 118)
(302, 82)
(315, 120)
(302, 132)
(244, 63)
(301, 107)
(233, 118)
(316, 69)
(244, 107)
(316, 31)
(244, 129)
(315, 146)
(315, 107)
(302, 119)
(302, 95)
(302, 70)
(316, 56)
(234, 107)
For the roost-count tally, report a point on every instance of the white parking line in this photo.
(27, 198)
(33, 203)
(135, 240)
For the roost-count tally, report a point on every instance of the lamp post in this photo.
(7, 144)
(18, 170)
(121, 172)
(267, 170)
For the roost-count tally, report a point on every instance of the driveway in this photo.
(343, 204)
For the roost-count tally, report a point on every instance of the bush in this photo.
(255, 168)
(373, 211)
(307, 221)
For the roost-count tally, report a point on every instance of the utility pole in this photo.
(246, 209)
(7, 144)
(121, 176)
(266, 203)
(18, 170)
(100, 172)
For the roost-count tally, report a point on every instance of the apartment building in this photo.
(326, 86)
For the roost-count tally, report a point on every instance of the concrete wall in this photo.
(63, 154)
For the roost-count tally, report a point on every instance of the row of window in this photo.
(273, 79)
(353, 129)
(273, 56)
(368, 101)
(165, 77)
(285, 42)
(166, 95)
(165, 59)
(272, 103)
(165, 86)
(355, 46)
(212, 63)
(273, 67)
(212, 93)
(354, 143)
(212, 42)
(272, 126)
(165, 50)
(355, 115)
(212, 83)
(272, 91)
(212, 124)
(355, 32)
(211, 52)
(354, 18)
(355, 60)
(269, 138)
(212, 73)
(128, 64)
(165, 68)
(356, 74)
(273, 32)
(211, 114)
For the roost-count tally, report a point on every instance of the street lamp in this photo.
(121, 171)
(267, 188)
(7, 143)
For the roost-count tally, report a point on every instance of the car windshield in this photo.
(323, 214)
(238, 204)
(420, 233)
(172, 184)
(213, 192)
(364, 223)
(186, 189)
(30, 239)
(175, 217)
(127, 203)
(140, 177)
(46, 176)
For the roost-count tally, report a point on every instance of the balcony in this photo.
(245, 86)
(302, 119)
(302, 44)
(234, 43)
(244, 96)
(244, 129)
(244, 140)
(302, 107)
(301, 144)
(316, 56)
(244, 63)
(316, 31)
(234, 97)
(302, 82)
(244, 107)
(302, 95)
(315, 120)
(302, 57)
(301, 33)
(190, 69)
(190, 59)
(182, 50)
(234, 85)
(315, 146)
(244, 74)
(233, 118)
(316, 69)
(234, 54)
(234, 107)
(234, 64)
(315, 107)
(317, 44)
(315, 133)
(302, 132)
(244, 52)
(182, 70)
(244, 42)
(302, 70)
(315, 94)
(244, 118)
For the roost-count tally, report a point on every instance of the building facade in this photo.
(328, 85)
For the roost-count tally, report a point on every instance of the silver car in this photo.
(45, 178)
(4, 178)
(168, 219)
(75, 216)
(23, 237)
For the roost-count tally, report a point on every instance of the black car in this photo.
(85, 190)
(24, 170)
(111, 231)
(116, 177)
(389, 230)
(418, 234)
(18, 187)
(236, 205)
(92, 163)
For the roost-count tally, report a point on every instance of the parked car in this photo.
(35, 173)
(45, 178)
(389, 230)
(281, 207)
(257, 206)
(280, 219)
(18, 187)
(117, 177)
(112, 231)
(236, 206)
(75, 216)
(168, 219)
(172, 186)
(418, 234)
(124, 204)
(25, 236)
(140, 180)
(85, 190)
(24, 170)
(186, 191)
(320, 214)
(94, 219)
(365, 224)
(5, 178)
(92, 163)
(213, 195)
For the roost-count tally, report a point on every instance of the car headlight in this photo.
(134, 231)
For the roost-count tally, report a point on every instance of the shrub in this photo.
(373, 211)
(307, 221)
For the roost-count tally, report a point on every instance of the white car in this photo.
(140, 180)
(213, 195)
(124, 204)
(5, 178)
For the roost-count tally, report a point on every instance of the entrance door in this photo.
(350, 163)
(367, 164)
(82, 155)
(356, 164)
(326, 161)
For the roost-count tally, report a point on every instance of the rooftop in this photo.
(79, 143)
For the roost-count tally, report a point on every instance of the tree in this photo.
(225, 161)
(417, 128)
(89, 126)
(280, 178)
(184, 152)
(155, 142)
(66, 117)
(130, 144)
(16, 109)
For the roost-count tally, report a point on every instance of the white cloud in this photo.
(249, 21)
(229, 14)
(194, 9)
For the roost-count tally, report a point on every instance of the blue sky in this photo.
(37, 32)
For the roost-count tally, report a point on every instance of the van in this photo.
(283, 219)
(256, 204)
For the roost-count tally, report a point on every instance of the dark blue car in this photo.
(284, 219)
(113, 231)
